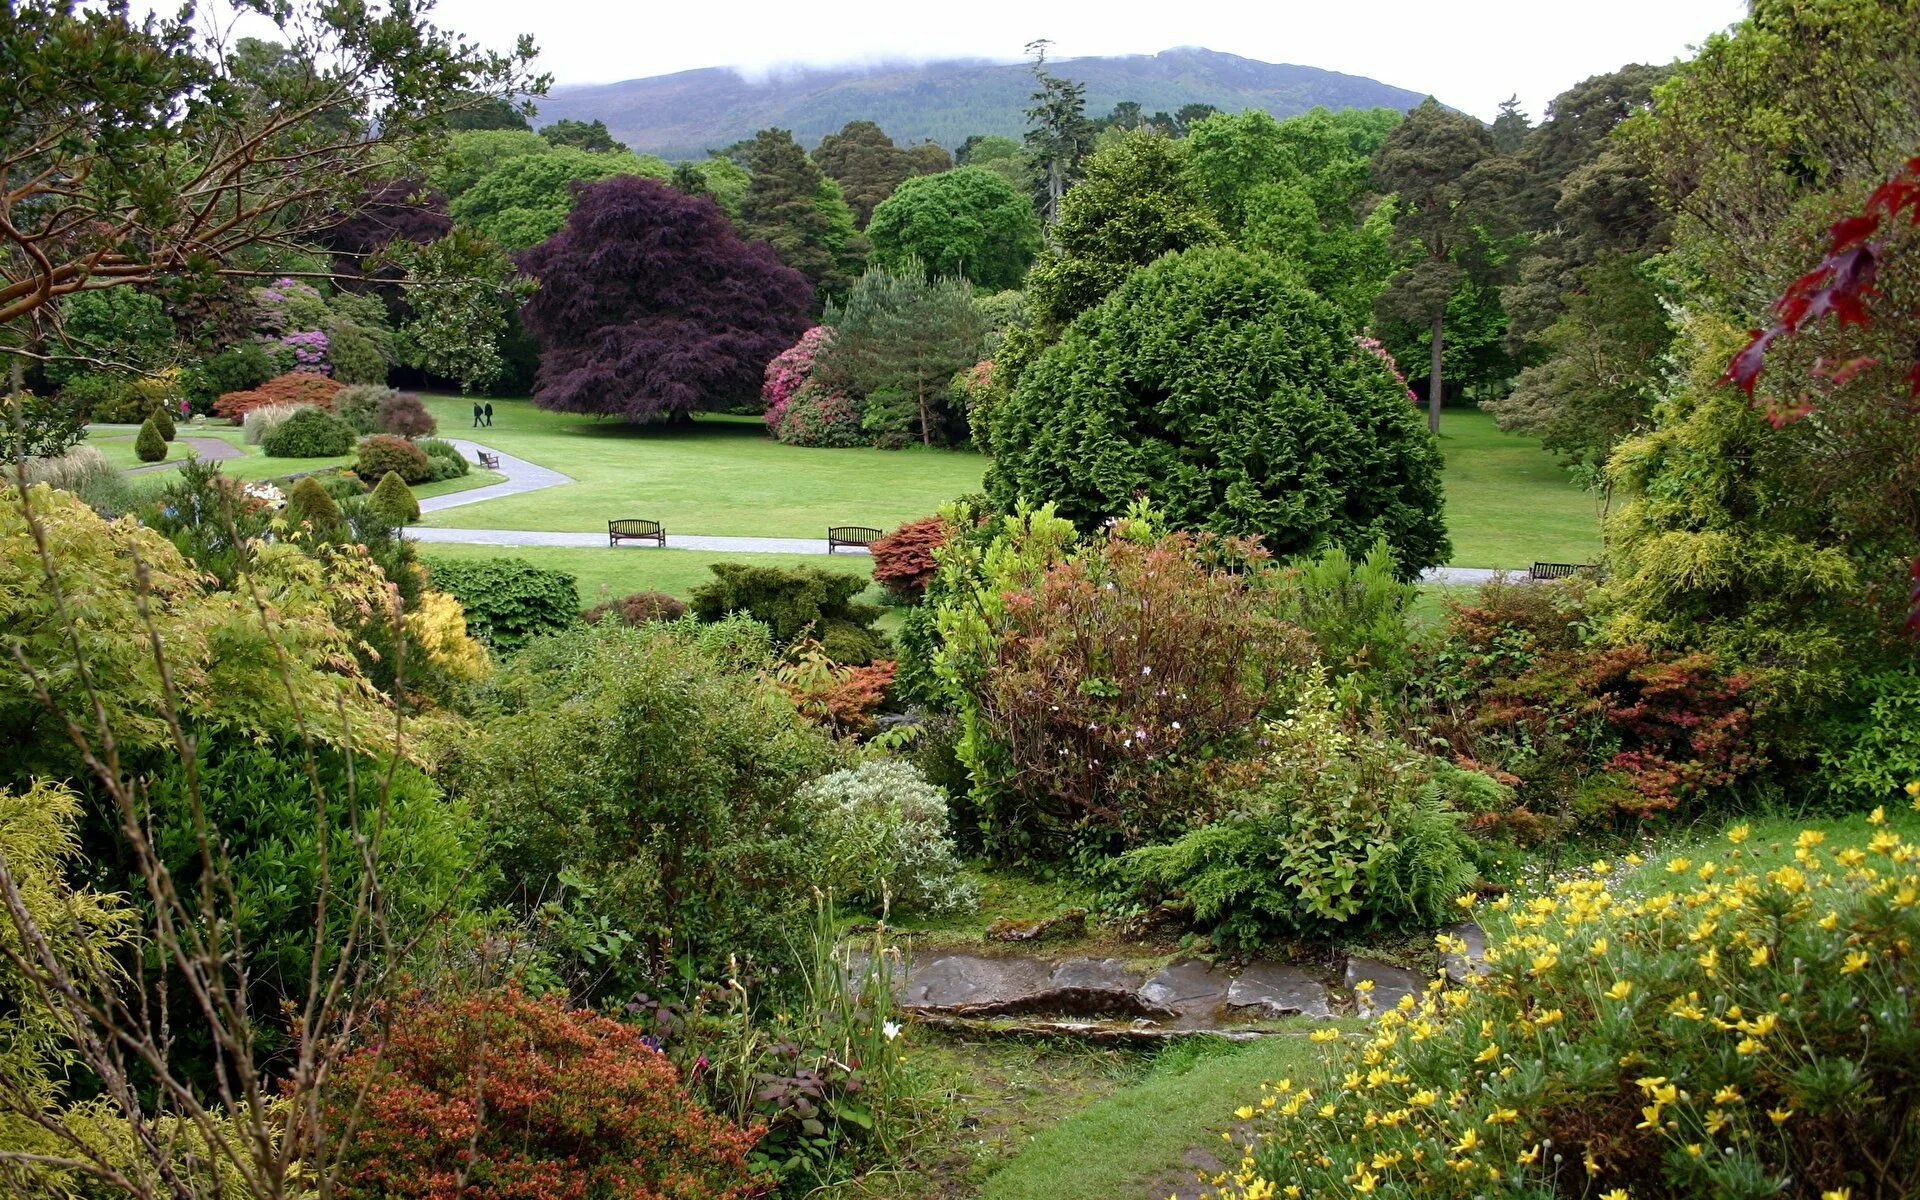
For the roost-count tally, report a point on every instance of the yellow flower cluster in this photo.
(1731, 1017)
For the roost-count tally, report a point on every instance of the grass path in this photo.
(1149, 1141)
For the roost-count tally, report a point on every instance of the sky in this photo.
(1471, 54)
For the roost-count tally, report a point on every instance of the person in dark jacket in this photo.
(476, 416)
(489, 414)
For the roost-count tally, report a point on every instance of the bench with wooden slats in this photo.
(636, 531)
(849, 536)
(1547, 570)
(490, 461)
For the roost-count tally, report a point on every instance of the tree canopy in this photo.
(801, 213)
(967, 222)
(650, 306)
(525, 198)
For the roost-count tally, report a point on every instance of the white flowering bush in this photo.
(887, 829)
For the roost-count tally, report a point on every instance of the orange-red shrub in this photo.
(842, 698)
(903, 560)
(296, 387)
(510, 1097)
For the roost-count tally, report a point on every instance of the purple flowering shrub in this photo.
(789, 372)
(1373, 345)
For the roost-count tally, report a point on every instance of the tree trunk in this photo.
(1433, 377)
(926, 433)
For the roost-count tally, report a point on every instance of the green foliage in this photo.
(524, 198)
(1872, 751)
(887, 837)
(448, 462)
(897, 340)
(1357, 614)
(1217, 386)
(150, 446)
(1137, 201)
(471, 155)
(591, 136)
(509, 601)
(967, 222)
(866, 164)
(801, 603)
(795, 209)
(121, 326)
(163, 421)
(1339, 832)
(383, 454)
(359, 405)
(107, 399)
(309, 433)
(240, 367)
(643, 789)
(308, 503)
(394, 501)
(33, 426)
(463, 294)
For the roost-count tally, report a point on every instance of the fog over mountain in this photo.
(685, 114)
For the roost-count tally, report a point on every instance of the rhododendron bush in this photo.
(511, 1097)
(789, 371)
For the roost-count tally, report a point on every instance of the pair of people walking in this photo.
(483, 415)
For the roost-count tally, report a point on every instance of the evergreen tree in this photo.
(1061, 136)
(1444, 170)
(866, 164)
(788, 207)
(150, 446)
(591, 136)
(308, 502)
(898, 339)
(1511, 127)
(163, 421)
(394, 501)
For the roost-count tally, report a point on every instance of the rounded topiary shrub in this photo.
(150, 446)
(383, 453)
(1222, 389)
(308, 433)
(309, 503)
(393, 499)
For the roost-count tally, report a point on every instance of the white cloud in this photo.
(1471, 54)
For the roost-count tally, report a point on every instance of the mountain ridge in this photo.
(687, 113)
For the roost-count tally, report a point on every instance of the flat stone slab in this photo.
(1474, 961)
(1193, 989)
(1276, 990)
(959, 981)
(1390, 983)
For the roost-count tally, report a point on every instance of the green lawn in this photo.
(1134, 1143)
(608, 572)
(1509, 504)
(722, 475)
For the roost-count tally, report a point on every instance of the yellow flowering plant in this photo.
(1742, 1032)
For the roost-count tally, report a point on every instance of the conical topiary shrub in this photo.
(163, 421)
(150, 446)
(395, 500)
(309, 502)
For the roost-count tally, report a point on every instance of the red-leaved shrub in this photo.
(1671, 727)
(842, 698)
(903, 560)
(295, 387)
(402, 414)
(509, 1097)
(639, 608)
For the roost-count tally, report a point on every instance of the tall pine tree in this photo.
(790, 207)
(1061, 136)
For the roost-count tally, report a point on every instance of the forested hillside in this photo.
(686, 114)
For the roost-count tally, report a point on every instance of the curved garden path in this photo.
(204, 448)
(524, 476)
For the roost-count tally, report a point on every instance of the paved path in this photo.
(521, 476)
(204, 448)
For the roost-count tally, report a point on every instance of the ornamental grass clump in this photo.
(1739, 1024)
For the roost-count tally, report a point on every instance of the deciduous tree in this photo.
(651, 307)
(967, 222)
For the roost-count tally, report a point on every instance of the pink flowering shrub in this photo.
(818, 417)
(1372, 345)
(789, 372)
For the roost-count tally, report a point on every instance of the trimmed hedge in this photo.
(383, 453)
(309, 433)
(393, 499)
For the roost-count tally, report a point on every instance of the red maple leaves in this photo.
(1841, 286)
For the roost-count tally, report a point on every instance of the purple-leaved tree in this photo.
(651, 307)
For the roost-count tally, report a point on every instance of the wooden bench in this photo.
(490, 461)
(851, 535)
(1547, 570)
(636, 531)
